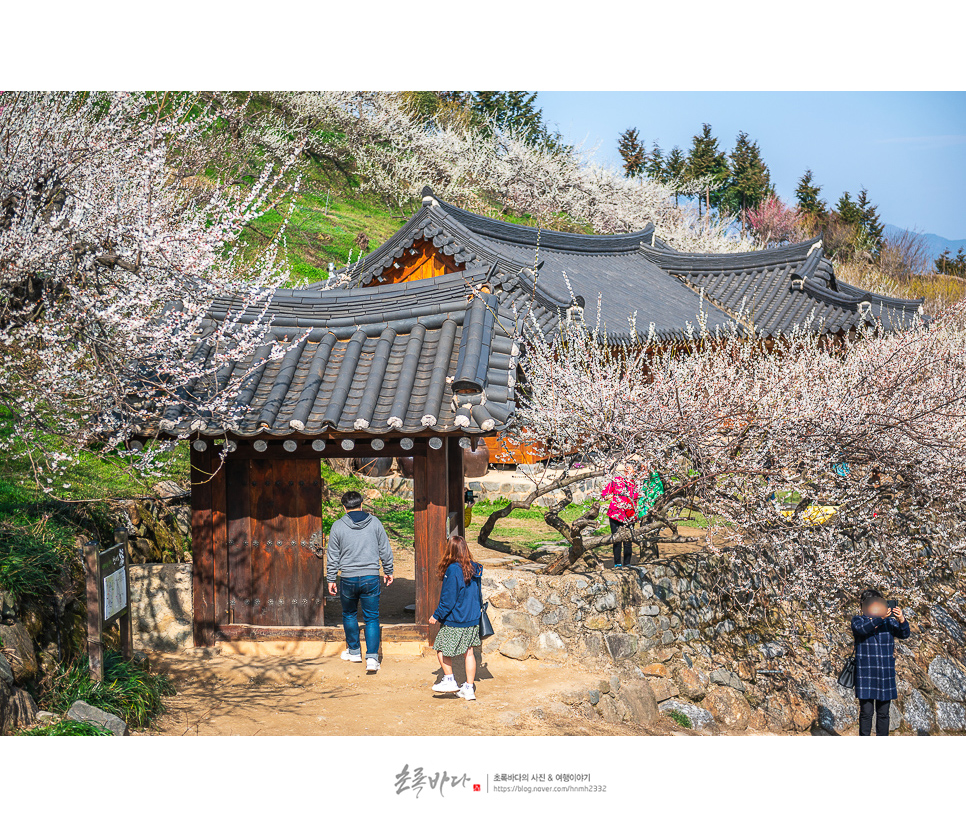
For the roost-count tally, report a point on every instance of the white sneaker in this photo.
(372, 664)
(445, 685)
(354, 658)
(466, 691)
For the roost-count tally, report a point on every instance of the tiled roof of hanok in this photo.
(434, 355)
(568, 266)
(775, 290)
(638, 276)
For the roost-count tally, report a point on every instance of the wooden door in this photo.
(274, 507)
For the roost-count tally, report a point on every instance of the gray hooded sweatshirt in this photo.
(357, 544)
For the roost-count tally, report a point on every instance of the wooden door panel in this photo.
(263, 540)
(311, 569)
(285, 561)
(239, 541)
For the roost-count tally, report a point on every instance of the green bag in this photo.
(650, 492)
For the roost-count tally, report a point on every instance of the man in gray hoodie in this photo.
(357, 544)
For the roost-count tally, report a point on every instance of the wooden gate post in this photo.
(95, 645)
(202, 553)
(454, 464)
(431, 497)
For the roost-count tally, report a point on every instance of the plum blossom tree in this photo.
(116, 232)
(775, 223)
(396, 154)
(820, 463)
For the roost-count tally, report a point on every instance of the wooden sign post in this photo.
(108, 599)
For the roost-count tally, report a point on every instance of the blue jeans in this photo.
(352, 591)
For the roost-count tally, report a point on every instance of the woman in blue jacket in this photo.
(875, 666)
(458, 614)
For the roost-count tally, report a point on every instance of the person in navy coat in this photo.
(875, 667)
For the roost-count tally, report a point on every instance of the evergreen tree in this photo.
(675, 169)
(807, 194)
(655, 165)
(848, 211)
(633, 153)
(944, 263)
(514, 110)
(706, 161)
(869, 223)
(749, 182)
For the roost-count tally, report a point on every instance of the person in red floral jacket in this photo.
(622, 511)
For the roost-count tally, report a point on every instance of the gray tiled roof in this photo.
(567, 266)
(778, 289)
(429, 355)
(639, 276)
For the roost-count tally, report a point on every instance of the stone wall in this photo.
(658, 630)
(161, 607)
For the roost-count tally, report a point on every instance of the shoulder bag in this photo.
(486, 629)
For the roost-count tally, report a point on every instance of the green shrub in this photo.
(127, 690)
(679, 718)
(31, 559)
(66, 727)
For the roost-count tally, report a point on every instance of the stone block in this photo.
(639, 702)
(917, 712)
(606, 602)
(663, 689)
(501, 600)
(691, 682)
(85, 713)
(948, 678)
(534, 606)
(518, 621)
(700, 718)
(549, 646)
(950, 716)
(728, 707)
(724, 677)
(609, 710)
(620, 646)
(517, 648)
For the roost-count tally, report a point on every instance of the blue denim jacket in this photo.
(459, 601)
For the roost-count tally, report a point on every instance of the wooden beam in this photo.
(238, 507)
(275, 451)
(202, 571)
(95, 640)
(455, 481)
(219, 540)
(431, 496)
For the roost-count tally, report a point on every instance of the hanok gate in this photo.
(255, 575)
(418, 369)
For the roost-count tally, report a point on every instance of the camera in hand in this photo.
(892, 604)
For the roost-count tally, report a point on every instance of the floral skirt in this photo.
(453, 641)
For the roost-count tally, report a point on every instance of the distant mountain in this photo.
(935, 243)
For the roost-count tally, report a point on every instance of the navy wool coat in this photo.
(875, 664)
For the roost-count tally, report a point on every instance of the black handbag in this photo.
(847, 675)
(486, 629)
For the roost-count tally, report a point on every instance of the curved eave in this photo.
(527, 235)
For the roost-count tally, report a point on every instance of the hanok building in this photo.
(417, 358)
(639, 284)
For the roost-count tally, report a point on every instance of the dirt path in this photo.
(239, 695)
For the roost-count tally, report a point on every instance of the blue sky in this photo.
(908, 149)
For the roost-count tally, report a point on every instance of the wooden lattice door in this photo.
(274, 507)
